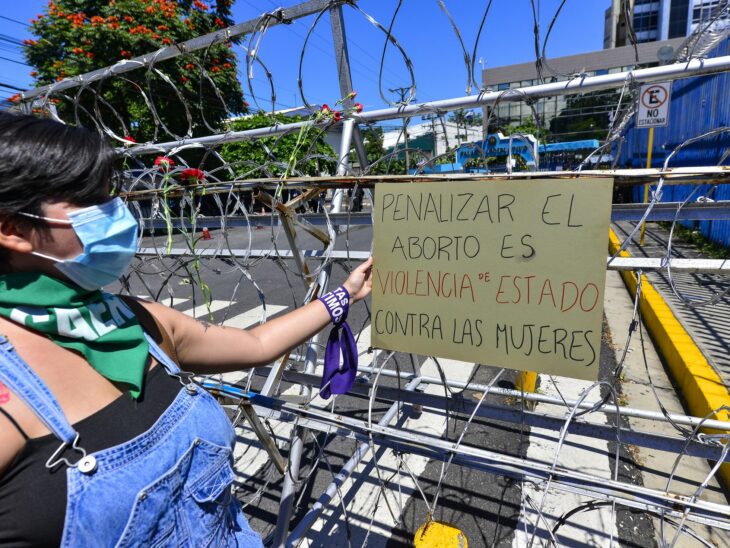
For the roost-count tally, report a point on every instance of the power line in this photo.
(316, 46)
(349, 41)
(15, 88)
(14, 20)
(14, 61)
(12, 39)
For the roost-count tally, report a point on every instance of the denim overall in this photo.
(170, 486)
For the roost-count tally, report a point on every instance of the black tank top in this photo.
(33, 498)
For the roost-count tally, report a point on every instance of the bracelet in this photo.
(338, 304)
(340, 356)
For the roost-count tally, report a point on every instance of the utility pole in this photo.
(402, 92)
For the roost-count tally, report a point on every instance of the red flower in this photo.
(164, 162)
(351, 95)
(183, 79)
(129, 19)
(89, 55)
(326, 109)
(337, 116)
(78, 50)
(130, 139)
(189, 66)
(218, 21)
(215, 69)
(358, 107)
(29, 42)
(167, 41)
(192, 175)
(125, 53)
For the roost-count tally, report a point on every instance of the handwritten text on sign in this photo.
(507, 273)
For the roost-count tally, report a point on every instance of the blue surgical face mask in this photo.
(108, 233)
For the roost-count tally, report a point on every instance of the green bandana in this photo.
(98, 325)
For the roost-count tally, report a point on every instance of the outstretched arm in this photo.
(207, 349)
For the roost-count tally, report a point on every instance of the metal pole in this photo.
(649, 148)
(342, 56)
(509, 156)
(402, 92)
(288, 489)
(583, 483)
(674, 71)
(310, 517)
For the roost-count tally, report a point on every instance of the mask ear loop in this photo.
(42, 218)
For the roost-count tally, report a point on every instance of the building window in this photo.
(706, 11)
(502, 86)
(647, 21)
(678, 18)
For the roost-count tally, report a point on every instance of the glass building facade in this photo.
(653, 20)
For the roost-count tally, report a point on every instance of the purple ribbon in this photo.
(338, 377)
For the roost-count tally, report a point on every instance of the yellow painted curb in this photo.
(527, 381)
(699, 384)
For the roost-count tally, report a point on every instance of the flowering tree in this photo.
(77, 36)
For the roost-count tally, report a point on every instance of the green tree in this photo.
(464, 119)
(384, 162)
(77, 36)
(527, 127)
(312, 156)
(585, 116)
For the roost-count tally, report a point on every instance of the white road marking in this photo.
(202, 311)
(578, 453)
(163, 300)
(253, 316)
(362, 488)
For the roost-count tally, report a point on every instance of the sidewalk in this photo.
(708, 325)
(655, 467)
(709, 328)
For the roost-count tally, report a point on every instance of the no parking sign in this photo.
(654, 105)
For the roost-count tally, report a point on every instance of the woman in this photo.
(103, 440)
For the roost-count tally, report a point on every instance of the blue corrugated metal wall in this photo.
(697, 105)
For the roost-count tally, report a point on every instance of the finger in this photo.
(366, 266)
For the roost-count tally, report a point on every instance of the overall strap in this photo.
(162, 357)
(152, 326)
(22, 380)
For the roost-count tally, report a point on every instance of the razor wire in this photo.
(201, 213)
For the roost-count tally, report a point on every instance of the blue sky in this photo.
(421, 27)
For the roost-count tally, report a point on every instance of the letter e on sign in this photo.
(654, 102)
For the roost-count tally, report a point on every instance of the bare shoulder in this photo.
(172, 320)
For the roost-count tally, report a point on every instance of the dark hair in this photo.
(42, 160)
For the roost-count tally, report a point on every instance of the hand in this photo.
(360, 282)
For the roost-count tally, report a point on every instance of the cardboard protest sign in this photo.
(505, 273)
